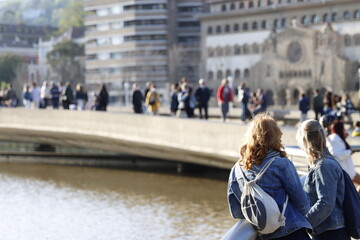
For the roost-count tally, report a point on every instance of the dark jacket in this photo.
(304, 105)
(202, 95)
(137, 100)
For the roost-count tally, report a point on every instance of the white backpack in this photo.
(258, 207)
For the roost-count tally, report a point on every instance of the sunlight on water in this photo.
(51, 202)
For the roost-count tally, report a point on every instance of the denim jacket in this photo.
(325, 188)
(279, 180)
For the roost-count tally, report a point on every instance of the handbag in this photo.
(351, 207)
(241, 230)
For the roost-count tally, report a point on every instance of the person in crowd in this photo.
(11, 99)
(183, 99)
(55, 95)
(244, 99)
(304, 106)
(224, 96)
(326, 121)
(147, 89)
(191, 102)
(318, 104)
(340, 149)
(45, 94)
(103, 98)
(81, 97)
(137, 99)
(356, 132)
(324, 184)
(152, 100)
(202, 95)
(262, 102)
(67, 96)
(35, 95)
(27, 99)
(349, 107)
(174, 103)
(329, 105)
(263, 144)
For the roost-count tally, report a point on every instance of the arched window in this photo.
(246, 73)
(218, 29)
(264, 24)
(314, 19)
(211, 52)
(227, 28)
(223, 8)
(237, 74)
(276, 23)
(236, 27)
(242, 5)
(246, 49)
(259, 3)
(228, 73)
(255, 48)
(232, 6)
(245, 27)
(326, 18)
(334, 17)
(210, 75)
(219, 75)
(254, 25)
(305, 20)
(357, 40)
(219, 52)
(357, 14)
(269, 2)
(347, 40)
(346, 15)
(283, 22)
(237, 50)
(251, 4)
(210, 30)
(228, 51)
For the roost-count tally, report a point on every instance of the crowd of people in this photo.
(53, 95)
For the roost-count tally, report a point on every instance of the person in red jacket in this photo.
(224, 96)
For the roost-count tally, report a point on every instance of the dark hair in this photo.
(357, 124)
(338, 128)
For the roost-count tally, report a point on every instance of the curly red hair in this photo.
(262, 135)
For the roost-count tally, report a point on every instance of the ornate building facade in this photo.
(285, 46)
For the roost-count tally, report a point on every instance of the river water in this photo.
(84, 203)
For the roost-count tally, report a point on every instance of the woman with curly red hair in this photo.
(263, 145)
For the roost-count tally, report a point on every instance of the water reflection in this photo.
(57, 202)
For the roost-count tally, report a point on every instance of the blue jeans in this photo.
(338, 234)
(300, 234)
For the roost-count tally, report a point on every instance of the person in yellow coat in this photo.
(152, 100)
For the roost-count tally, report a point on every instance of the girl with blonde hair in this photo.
(324, 184)
(263, 147)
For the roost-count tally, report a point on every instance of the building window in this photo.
(242, 5)
(219, 75)
(264, 24)
(210, 30)
(315, 19)
(237, 50)
(276, 23)
(237, 74)
(210, 52)
(357, 14)
(245, 27)
(251, 4)
(218, 29)
(347, 40)
(228, 51)
(269, 2)
(255, 48)
(326, 18)
(236, 27)
(219, 52)
(259, 3)
(347, 15)
(283, 22)
(223, 8)
(357, 40)
(254, 25)
(210, 75)
(228, 73)
(232, 6)
(246, 49)
(246, 73)
(334, 17)
(305, 20)
(227, 28)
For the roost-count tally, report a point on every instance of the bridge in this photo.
(210, 143)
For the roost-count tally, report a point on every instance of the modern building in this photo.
(283, 46)
(133, 41)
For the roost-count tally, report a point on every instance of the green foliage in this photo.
(66, 60)
(9, 63)
(72, 16)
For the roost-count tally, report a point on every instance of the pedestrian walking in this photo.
(45, 94)
(103, 98)
(304, 106)
(152, 100)
(81, 97)
(11, 99)
(202, 96)
(35, 95)
(324, 184)
(263, 149)
(174, 103)
(137, 99)
(261, 102)
(244, 97)
(318, 104)
(55, 95)
(224, 97)
(27, 99)
(67, 96)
